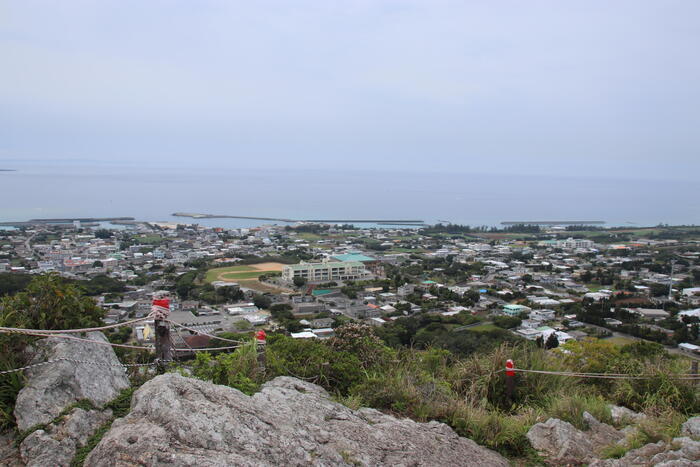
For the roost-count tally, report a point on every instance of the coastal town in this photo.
(448, 284)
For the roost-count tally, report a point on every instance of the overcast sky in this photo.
(536, 87)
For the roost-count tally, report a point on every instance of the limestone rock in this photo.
(561, 441)
(679, 453)
(621, 415)
(39, 449)
(691, 427)
(9, 454)
(57, 444)
(180, 421)
(51, 388)
(601, 434)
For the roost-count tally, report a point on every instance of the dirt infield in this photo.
(247, 276)
(268, 266)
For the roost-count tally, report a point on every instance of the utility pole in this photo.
(160, 307)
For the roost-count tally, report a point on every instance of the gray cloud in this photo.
(586, 87)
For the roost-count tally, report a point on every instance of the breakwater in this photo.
(324, 221)
(64, 220)
(553, 222)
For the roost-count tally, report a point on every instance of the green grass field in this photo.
(232, 273)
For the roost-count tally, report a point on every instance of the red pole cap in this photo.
(260, 335)
(163, 302)
(510, 368)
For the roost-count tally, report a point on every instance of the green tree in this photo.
(552, 341)
(262, 301)
(507, 322)
(50, 302)
(299, 281)
(103, 233)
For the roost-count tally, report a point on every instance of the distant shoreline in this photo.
(8, 170)
(324, 221)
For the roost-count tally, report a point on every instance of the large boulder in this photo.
(178, 421)
(53, 387)
(560, 441)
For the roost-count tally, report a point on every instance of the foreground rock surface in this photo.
(560, 443)
(57, 444)
(51, 388)
(179, 421)
(681, 452)
(9, 454)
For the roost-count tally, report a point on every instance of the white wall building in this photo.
(325, 271)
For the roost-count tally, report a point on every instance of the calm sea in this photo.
(36, 191)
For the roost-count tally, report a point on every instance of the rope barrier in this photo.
(85, 362)
(688, 377)
(207, 349)
(203, 333)
(80, 339)
(74, 331)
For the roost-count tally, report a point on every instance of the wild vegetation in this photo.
(47, 302)
(468, 392)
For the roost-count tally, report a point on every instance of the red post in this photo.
(510, 378)
(260, 344)
(160, 307)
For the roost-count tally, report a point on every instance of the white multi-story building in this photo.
(572, 243)
(325, 271)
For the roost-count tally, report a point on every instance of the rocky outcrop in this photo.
(562, 442)
(9, 454)
(51, 388)
(56, 444)
(623, 415)
(691, 427)
(179, 421)
(680, 452)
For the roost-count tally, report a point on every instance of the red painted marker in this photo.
(510, 371)
(260, 335)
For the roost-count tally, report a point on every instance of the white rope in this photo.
(86, 362)
(80, 339)
(203, 333)
(74, 331)
(689, 377)
(194, 349)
